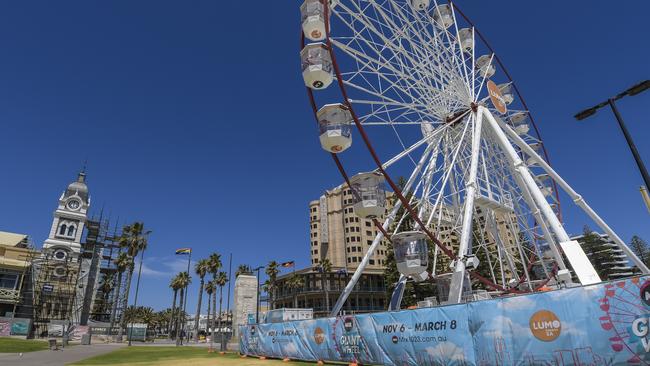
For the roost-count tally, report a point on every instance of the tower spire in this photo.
(82, 173)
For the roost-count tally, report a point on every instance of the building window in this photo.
(368, 232)
(372, 261)
(369, 242)
(8, 280)
(63, 229)
(354, 259)
(349, 260)
(354, 249)
(368, 224)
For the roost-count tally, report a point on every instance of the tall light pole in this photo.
(634, 90)
(257, 307)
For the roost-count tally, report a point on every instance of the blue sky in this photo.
(193, 117)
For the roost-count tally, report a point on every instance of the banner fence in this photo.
(602, 324)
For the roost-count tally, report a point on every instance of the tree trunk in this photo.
(214, 314)
(125, 304)
(327, 295)
(220, 324)
(170, 325)
(115, 301)
(207, 326)
(197, 318)
(179, 320)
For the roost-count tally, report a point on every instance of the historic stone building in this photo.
(64, 280)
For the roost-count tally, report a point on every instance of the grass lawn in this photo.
(14, 345)
(176, 356)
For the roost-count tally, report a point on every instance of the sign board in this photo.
(47, 288)
(496, 97)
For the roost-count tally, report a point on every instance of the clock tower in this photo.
(69, 221)
(62, 272)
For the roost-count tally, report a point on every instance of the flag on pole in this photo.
(288, 264)
(184, 251)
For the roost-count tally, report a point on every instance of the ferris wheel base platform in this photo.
(602, 324)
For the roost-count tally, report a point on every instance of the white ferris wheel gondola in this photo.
(316, 66)
(312, 14)
(369, 195)
(334, 122)
(411, 252)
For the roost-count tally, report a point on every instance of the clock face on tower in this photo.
(74, 204)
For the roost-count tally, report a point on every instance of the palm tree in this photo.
(134, 240)
(221, 281)
(209, 289)
(122, 263)
(105, 286)
(271, 271)
(326, 268)
(184, 280)
(295, 282)
(243, 269)
(175, 286)
(202, 267)
(215, 266)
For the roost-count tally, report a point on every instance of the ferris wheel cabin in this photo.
(312, 14)
(519, 122)
(420, 4)
(316, 66)
(466, 39)
(484, 64)
(369, 196)
(334, 123)
(443, 16)
(506, 92)
(411, 252)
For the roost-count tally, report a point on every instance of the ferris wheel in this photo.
(431, 101)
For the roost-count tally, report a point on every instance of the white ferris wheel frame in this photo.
(443, 81)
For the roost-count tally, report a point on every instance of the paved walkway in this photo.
(57, 358)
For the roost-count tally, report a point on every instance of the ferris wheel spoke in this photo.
(413, 83)
(421, 46)
(360, 16)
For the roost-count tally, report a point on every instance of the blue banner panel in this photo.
(603, 324)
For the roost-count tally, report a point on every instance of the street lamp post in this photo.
(257, 307)
(611, 102)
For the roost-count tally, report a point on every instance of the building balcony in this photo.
(9, 296)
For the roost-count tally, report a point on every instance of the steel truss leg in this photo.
(458, 277)
(576, 198)
(527, 178)
(389, 219)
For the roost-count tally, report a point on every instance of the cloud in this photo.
(501, 326)
(445, 353)
(164, 266)
(516, 303)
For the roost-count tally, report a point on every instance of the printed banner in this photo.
(20, 326)
(602, 324)
(5, 329)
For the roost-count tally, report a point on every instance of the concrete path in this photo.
(56, 358)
